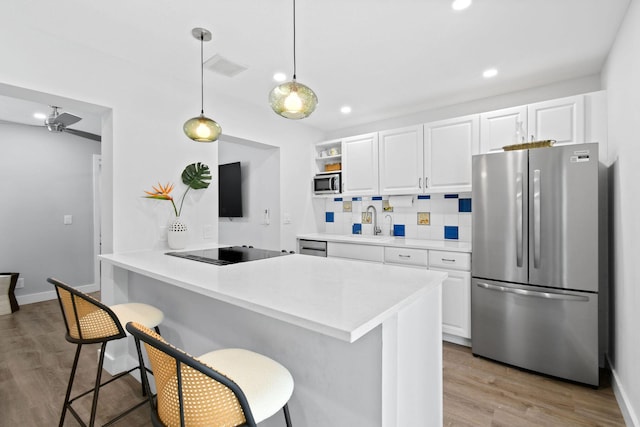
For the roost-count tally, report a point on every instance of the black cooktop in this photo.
(228, 255)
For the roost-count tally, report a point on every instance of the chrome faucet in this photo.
(376, 229)
(390, 224)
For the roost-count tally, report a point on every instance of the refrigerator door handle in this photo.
(519, 219)
(536, 218)
(536, 294)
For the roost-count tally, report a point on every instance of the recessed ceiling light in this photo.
(491, 72)
(345, 110)
(279, 77)
(40, 116)
(460, 4)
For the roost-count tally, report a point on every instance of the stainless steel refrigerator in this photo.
(535, 271)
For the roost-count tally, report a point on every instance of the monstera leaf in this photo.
(196, 176)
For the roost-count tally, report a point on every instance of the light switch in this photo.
(68, 219)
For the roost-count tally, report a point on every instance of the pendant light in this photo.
(202, 128)
(293, 100)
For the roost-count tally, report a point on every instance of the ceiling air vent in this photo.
(221, 65)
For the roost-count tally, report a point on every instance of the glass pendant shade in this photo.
(293, 100)
(202, 129)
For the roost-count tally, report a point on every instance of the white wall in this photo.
(143, 112)
(456, 109)
(622, 81)
(260, 166)
(143, 143)
(43, 177)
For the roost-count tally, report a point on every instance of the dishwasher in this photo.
(312, 247)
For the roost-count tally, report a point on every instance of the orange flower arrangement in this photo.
(162, 193)
(195, 175)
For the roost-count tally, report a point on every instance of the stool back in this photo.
(87, 320)
(190, 393)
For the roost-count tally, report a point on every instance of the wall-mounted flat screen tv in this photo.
(229, 190)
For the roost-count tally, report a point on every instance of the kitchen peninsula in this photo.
(362, 340)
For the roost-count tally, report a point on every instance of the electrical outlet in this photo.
(20, 283)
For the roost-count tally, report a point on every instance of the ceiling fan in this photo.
(60, 122)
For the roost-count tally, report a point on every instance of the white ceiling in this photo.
(384, 58)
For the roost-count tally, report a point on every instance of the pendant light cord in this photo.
(201, 73)
(294, 40)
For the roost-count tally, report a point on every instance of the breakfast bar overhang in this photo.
(362, 340)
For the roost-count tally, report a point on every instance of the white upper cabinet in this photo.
(448, 147)
(360, 165)
(503, 127)
(560, 119)
(401, 160)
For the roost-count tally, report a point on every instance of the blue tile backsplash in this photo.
(449, 217)
(451, 232)
(464, 205)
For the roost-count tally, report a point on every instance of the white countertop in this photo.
(340, 298)
(441, 245)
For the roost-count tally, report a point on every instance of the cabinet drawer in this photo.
(406, 256)
(450, 260)
(355, 251)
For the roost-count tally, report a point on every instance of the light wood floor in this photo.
(35, 361)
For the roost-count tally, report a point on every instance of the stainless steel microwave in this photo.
(328, 183)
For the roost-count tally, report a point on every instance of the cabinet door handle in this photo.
(426, 182)
(448, 260)
(404, 256)
(420, 182)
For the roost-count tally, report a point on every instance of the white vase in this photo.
(177, 234)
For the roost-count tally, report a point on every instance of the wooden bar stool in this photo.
(229, 387)
(88, 321)
(8, 301)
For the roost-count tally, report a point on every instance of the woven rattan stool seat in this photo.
(223, 388)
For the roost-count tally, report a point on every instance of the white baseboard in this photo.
(630, 417)
(49, 295)
(456, 340)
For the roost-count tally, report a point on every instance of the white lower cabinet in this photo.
(406, 256)
(456, 303)
(355, 251)
(456, 289)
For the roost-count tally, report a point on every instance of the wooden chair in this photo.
(229, 387)
(8, 301)
(88, 321)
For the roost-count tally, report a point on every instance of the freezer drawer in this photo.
(546, 330)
